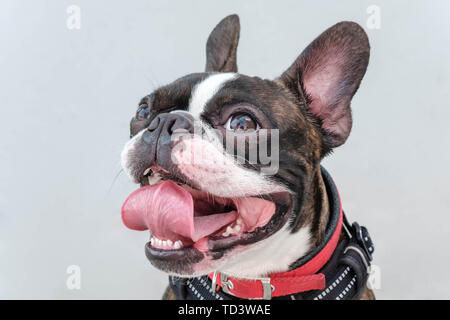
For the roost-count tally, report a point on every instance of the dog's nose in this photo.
(170, 122)
(160, 133)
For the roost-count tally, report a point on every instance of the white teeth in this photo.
(234, 229)
(146, 171)
(178, 244)
(227, 232)
(169, 244)
(165, 244)
(154, 178)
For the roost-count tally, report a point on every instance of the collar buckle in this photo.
(267, 289)
(226, 284)
(214, 283)
(363, 239)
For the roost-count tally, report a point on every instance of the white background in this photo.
(66, 98)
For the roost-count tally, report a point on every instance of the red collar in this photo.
(304, 278)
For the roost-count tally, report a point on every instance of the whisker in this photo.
(114, 181)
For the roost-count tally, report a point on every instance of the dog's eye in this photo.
(146, 104)
(143, 112)
(241, 122)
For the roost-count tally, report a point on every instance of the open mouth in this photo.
(181, 218)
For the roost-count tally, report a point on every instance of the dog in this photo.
(228, 227)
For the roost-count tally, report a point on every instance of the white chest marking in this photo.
(274, 254)
(205, 90)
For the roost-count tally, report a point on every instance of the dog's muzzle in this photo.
(159, 137)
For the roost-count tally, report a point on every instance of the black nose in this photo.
(160, 132)
(168, 123)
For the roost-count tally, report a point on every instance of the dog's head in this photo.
(227, 162)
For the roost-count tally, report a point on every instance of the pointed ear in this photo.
(327, 74)
(222, 45)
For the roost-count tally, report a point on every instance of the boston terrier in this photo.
(231, 186)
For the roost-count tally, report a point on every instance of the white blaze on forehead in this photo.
(205, 90)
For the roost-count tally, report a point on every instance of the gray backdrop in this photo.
(67, 97)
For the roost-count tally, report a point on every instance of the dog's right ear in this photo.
(222, 45)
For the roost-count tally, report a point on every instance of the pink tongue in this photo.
(168, 211)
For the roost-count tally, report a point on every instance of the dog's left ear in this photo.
(327, 74)
(222, 45)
